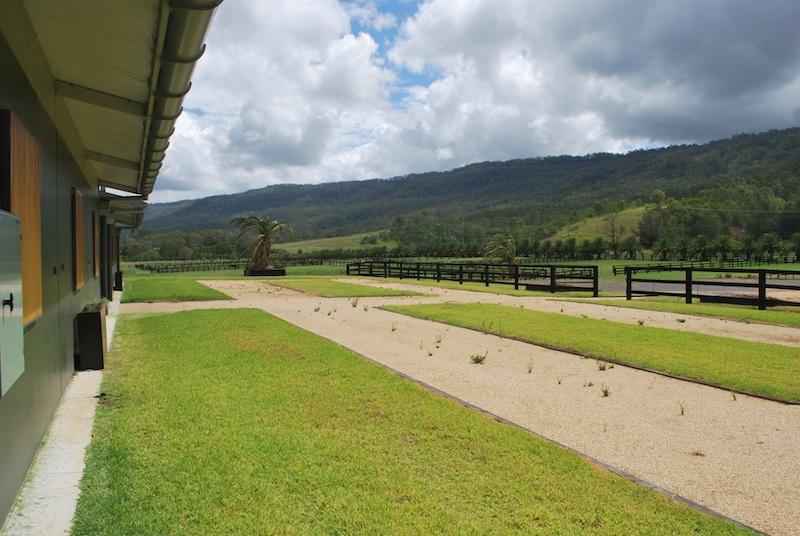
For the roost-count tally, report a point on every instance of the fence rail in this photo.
(548, 277)
(619, 269)
(688, 283)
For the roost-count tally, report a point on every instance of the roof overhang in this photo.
(119, 69)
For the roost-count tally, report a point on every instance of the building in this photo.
(89, 94)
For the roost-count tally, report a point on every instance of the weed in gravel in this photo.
(605, 390)
(478, 359)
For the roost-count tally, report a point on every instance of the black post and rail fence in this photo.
(715, 285)
(543, 277)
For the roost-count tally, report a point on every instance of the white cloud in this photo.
(290, 92)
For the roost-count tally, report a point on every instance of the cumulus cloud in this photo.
(319, 90)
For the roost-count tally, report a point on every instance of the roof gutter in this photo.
(186, 30)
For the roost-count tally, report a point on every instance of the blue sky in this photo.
(386, 36)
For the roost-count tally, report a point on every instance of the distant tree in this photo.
(534, 249)
(599, 247)
(662, 248)
(683, 249)
(794, 241)
(657, 198)
(722, 247)
(747, 247)
(570, 248)
(262, 231)
(700, 247)
(613, 228)
(630, 245)
(769, 244)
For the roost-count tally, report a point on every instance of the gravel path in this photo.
(737, 457)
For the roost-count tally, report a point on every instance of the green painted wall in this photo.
(26, 410)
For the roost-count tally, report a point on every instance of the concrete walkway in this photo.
(736, 456)
(46, 504)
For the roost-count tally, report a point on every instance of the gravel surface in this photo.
(735, 456)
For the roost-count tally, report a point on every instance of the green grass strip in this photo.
(764, 369)
(236, 422)
(728, 312)
(474, 286)
(329, 288)
(168, 289)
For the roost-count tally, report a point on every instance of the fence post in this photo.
(486, 275)
(438, 272)
(628, 283)
(385, 269)
(417, 271)
(596, 281)
(400, 264)
(688, 285)
(461, 274)
(516, 277)
(762, 289)
(347, 270)
(552, 279)
(371, 265)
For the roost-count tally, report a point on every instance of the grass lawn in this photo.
(236, 422)
(765, 369)
(789, 318)
(481, 287)
(329, 288)
(167, 289)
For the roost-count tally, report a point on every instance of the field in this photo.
(764, 369)
(590, 228)
(166, 289)
(338, 242)
(235, 422)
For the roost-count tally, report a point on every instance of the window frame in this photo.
(21, 195)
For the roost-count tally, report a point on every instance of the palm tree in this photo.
(502, 248)
(264, 230)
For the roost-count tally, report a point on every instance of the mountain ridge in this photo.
(531, 192)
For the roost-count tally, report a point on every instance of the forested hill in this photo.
(533, 193)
